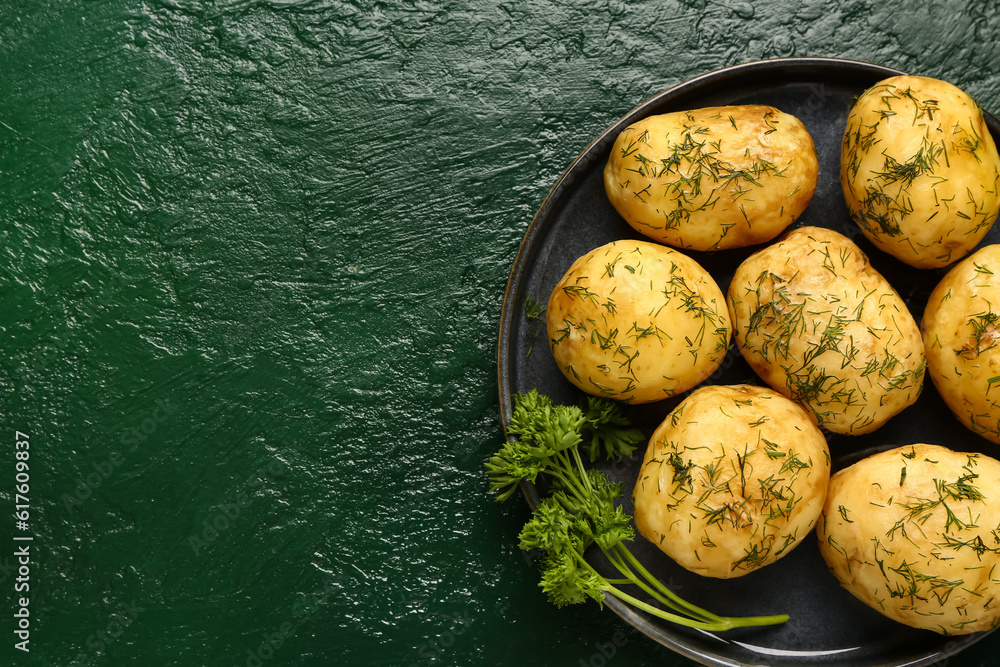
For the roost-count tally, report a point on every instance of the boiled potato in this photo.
(732, 480)
(637, 322)
(919, 170)
(961, 329)
(820, 325)
(713, 178)
(913, 533)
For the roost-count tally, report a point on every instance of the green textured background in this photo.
(252, 259)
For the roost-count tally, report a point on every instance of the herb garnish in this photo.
(579, 511)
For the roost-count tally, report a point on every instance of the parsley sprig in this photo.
(579, 511)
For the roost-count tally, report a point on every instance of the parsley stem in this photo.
(726, 623)
(620, 565)
(583, 471)
(683, 604)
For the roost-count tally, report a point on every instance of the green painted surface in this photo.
(252, 258)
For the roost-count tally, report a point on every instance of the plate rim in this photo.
(839, 66)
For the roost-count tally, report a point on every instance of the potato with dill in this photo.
(637, 322)
(919, 170)
(712, 178)
(732, 480)
(961, 330)
(912, 533)
(820, 325)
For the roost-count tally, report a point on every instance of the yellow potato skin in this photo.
(732, 480)
(912, 533)
(961, 330)
(712, 178)
(637, 322)
(820, 325)
(919, 170)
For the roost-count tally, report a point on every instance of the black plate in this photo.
(828, 626)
